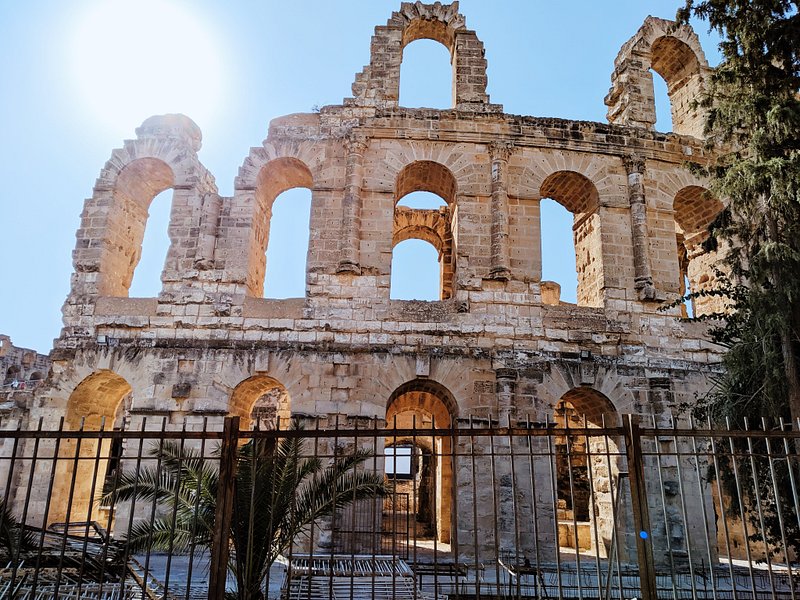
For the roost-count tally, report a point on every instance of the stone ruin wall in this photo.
(498, 343)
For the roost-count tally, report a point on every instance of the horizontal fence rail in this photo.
(360, 508)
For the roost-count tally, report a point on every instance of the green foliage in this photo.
(278, 494)
(15, 541)
(754, 128)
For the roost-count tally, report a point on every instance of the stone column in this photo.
(643, 276)
(355, 146)
(506, 384)
(500, 265)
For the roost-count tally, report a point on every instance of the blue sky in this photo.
(76, 78)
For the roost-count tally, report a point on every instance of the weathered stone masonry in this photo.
(209, 345)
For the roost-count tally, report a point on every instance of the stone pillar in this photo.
(500, 265)
(355, 146)
(643, 276)
(506, 384)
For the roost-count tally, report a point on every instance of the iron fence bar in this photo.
(684, 514)
(576, 540)
(753, 472)
(495, 511)
(154, 506)
(614, 513)
(723, 517)
(641, 517)
(454, 541)
(535, 514)
(439, 470)
(47, 506)
(514, 502)
(742, 513)
(134, 494)
(792, 480)
(7, 495)
(224, 510)
(554, 494)
(71, 496)
(667, 527)
(28, 491)
(594, 533)
(702, 497)
(474, 507)
(95, 471)
(193, 543)
(779, 510)
(175, 500)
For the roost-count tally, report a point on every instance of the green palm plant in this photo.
(278, 494)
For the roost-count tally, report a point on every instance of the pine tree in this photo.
(754, 125)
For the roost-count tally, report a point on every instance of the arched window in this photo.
(679, 67)
(695, 209)
(426, 75)
(146, 281)
(423, 233)
(584, 483)
(282, 230)
(558, 251)
(138, 184)
(578, 196)
(287, 248)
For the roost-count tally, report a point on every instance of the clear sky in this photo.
(77, 77)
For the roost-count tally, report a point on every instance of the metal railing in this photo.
(645, 509)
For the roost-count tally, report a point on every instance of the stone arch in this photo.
(578, 194)
(96, 400)
(95, 404)
(378, 84)
(585, 469)
(163, 156)
(261, 401)
(422, 404)
(435, 226)
(674, 52)
(269, 170)
(274, 178)
(695, 209)
(426, 176)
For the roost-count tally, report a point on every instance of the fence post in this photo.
(641, 513)
(220, 548)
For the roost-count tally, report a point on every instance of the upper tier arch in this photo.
(674, 52)
(378, 84)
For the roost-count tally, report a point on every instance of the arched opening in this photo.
(679, 66)
(425, 195)
(287, 249)
(275, 178)
(587, 473)
(262, 403)
(99, 402)
(578, 195)
(695, 209)
(426, 75)
(422, 497)
(136, 187)
(558, 254)
(416, 271)
(13, 373)
(146, 281)
(663, 106)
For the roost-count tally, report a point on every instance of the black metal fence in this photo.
(324, 508)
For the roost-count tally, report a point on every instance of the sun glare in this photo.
(132, 60)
